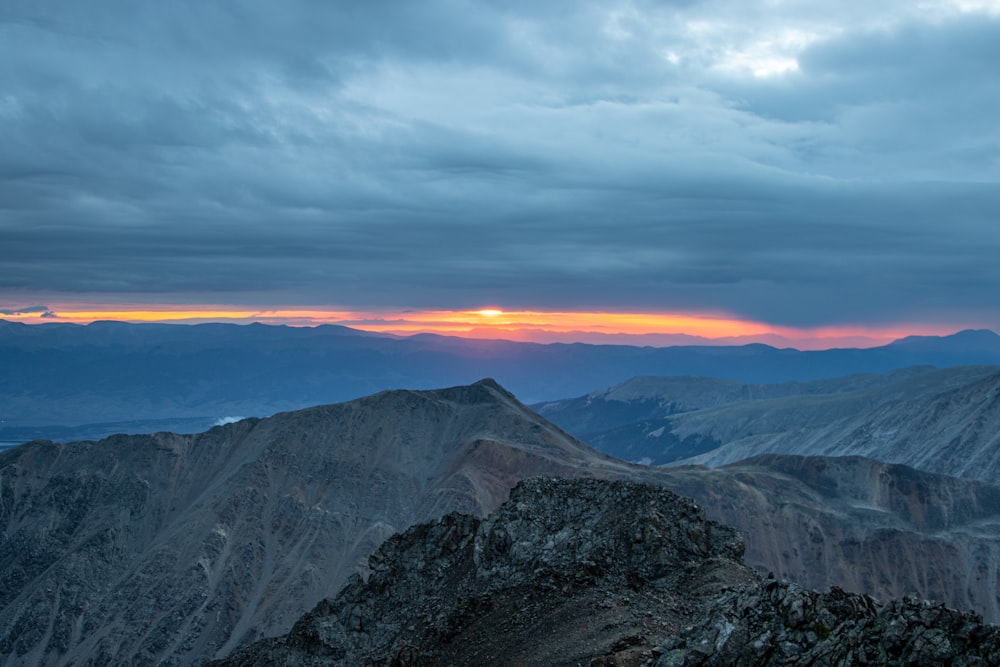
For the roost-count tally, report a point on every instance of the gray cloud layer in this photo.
(797, 164)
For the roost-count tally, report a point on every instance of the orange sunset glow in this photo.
(518, 325)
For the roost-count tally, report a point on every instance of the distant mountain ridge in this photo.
(955, 431)
(65, 374)
(968, 339)
(654, 397)
(941, 420)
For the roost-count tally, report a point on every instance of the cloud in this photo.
(39, 311)
(636, 155)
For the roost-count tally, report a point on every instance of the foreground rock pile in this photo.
(777, 623)
(571, 572)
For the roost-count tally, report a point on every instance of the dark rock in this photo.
(785, 625)
(562, 573)
(571, 572)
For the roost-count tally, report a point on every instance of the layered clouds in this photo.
(797, 163)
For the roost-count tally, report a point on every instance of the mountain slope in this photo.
(954, 430)
(601, 573)
(883, 529)
(177, 548)
(650, 397)
(172, 549)
(941, 420)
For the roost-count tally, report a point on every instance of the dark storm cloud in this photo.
(800, 167)
(28, 310)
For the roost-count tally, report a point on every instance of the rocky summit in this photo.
(602, 573)
(560, 573)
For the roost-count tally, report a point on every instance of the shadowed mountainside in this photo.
(955, 431)
(879, 528)
(177, 548)
(646, 398)
(173, 549)
(602, 573)
(941, 420)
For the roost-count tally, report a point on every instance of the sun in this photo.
(489, 312)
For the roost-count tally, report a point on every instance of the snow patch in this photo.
(657, 433)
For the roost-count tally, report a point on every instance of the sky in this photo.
(724, 169)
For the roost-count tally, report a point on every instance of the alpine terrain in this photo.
(176, 549)
(940, 420)
(572, 572)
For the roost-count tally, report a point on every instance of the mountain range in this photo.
(144, 549)
(129, 376)
(174, 549)
(940, 420)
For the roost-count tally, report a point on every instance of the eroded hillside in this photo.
(571, 572)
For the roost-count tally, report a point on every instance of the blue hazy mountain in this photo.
(113, 372)
(941, 420)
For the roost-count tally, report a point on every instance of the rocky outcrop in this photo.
(571, 572)
(562, 572)
(778, 623)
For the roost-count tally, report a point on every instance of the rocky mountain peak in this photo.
(172, 549)
(570, 572)
(484, 394)
(486, 390)
(615, 529)
(606, 557)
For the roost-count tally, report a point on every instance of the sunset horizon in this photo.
(654, 329)
(616, 169)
